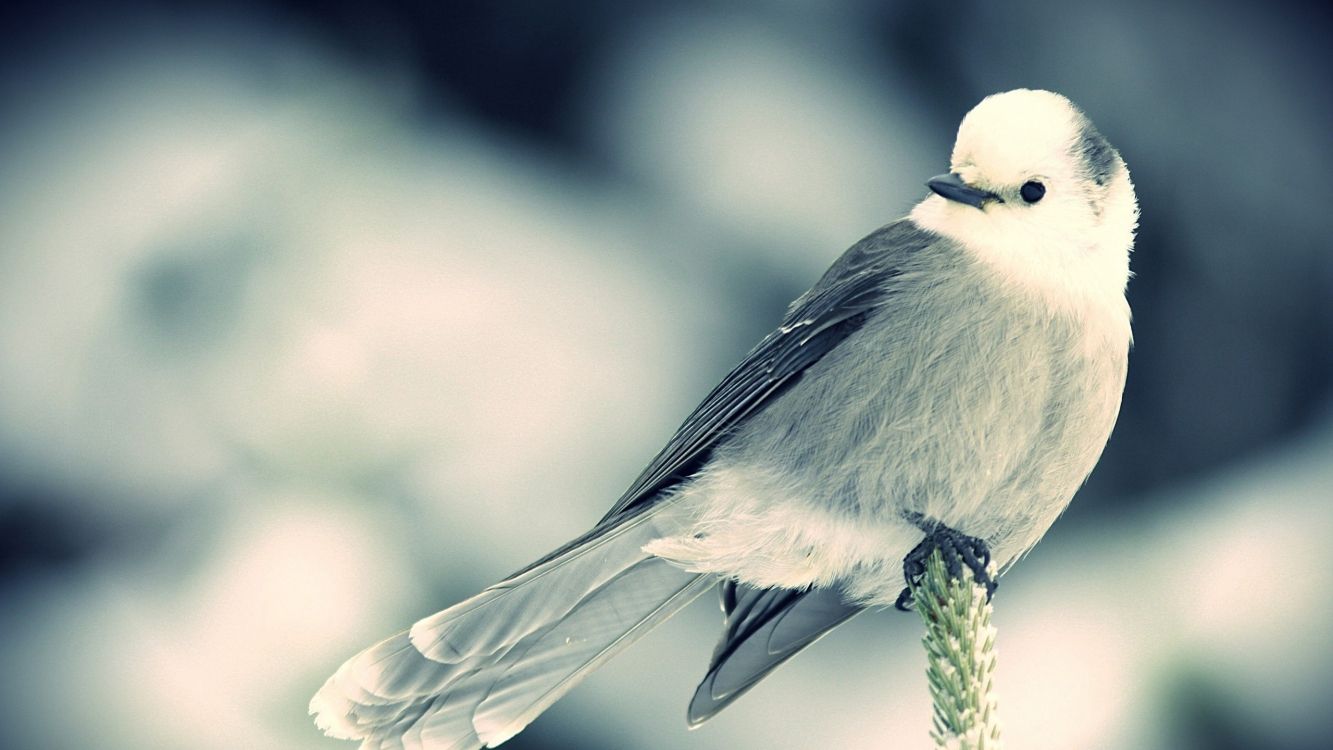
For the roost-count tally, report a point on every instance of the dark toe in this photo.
(957, 550)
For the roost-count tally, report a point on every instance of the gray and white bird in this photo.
(950, 382)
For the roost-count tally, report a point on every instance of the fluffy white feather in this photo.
(1072, 248)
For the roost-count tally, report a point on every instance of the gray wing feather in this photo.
(819, 320)
(815, 323)
(763, 629)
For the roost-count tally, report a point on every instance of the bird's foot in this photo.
(957, 549)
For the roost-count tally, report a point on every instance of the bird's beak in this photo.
(952, 187)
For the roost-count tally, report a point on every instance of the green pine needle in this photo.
(960, 656)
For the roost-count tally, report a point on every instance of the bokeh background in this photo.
(315, 319)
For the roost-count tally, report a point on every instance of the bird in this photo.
(949, 383)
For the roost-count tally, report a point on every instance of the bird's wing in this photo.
(763, 628)
(819, 320)
(834, 308)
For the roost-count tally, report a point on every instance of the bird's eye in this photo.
(1032, 191)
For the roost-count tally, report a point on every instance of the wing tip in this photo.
(707, 702)
(332, 713)
(698, 715)
(491, 735)
(695, 720)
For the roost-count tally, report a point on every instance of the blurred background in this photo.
(315, 319)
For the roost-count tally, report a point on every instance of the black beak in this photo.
(952, 187)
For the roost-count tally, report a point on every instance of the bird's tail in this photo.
(475, 674)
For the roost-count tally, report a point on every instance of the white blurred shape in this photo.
(1252, 590)
(1068, 678)
(211, 278)
(224, 657)
(208, 272)
(789, 136)
(290, 589)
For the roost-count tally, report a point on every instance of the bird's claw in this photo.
(957, 549)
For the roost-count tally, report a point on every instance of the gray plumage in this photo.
(926, 374)
(1099, 159)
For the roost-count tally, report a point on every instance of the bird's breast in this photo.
(967, 408)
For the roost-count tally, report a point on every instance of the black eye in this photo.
(1032, 191)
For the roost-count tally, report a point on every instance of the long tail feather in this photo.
(503, 613)
(603, 625)
(475, 674)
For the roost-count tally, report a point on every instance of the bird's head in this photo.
(1035, 191)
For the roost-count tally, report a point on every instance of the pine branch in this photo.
(960, 656)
